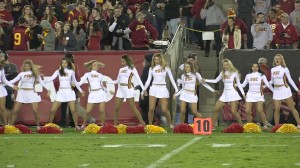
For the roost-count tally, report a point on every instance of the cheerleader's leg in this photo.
(152, 105)
(53, 110)
(277, 104)
(290, 103)
(193, 107)
(260, 110)
(102, 113)
(164, 108)
(3, 110)
(233, 105)
(118, 102)
(183, 105)
(89, 108)
(36, 113)
(248, 112)
(135, 111)
(16, 110)
(219, 105)
(72, 106)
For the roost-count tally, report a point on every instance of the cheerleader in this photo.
(158, 89)
(26, 94)
(97, 93)
(3, 92)
(125, 89)
(281, 90)
(65, 93)
(188, 93)
(230, 78)
(255, 79)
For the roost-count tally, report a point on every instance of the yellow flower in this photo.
(121, 128)
(10, 129)
(91, 129)
(288, 128)
(251, 128)
(153, 129)
(51, 125)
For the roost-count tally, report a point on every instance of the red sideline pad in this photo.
(50, 62)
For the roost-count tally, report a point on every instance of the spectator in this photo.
(238, 23)
(172, 15)
(79, 34)
(273, 21)
(3, 40)
(158, 9)
(57, 8)
(34, 41)
(48, 36)
(199, 24)
(245, 9)
(286, 36)
(148, 14)
(232, 35)
(94, 36)
(262, 33)
(143, 33)
(117, 26)
(65, 41)
(49, 16)
(214, 17)
(17, 9)
(27, 12)
(79, 14)
(295, 17)
(262, 6)
(187, 17)
(6, 22)
(287, 5)
(279, 12)
(21, 36)
(131, 11)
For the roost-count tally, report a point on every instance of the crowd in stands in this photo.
(72, 25)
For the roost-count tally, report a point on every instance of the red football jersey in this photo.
(21, 36)
(94, 42)
(5, 15)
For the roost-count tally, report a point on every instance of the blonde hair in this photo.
(34, 68)
(128, 61)
(193, 70)
(162, 60)
(232, 68)
(89, 64)
(282, 60)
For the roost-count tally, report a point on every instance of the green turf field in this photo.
(73, 149)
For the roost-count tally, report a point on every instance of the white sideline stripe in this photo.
(53, 137)
(135, 145)
(268, 145)
(174, 152)
(221, 145)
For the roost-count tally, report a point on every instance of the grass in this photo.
(73, 149)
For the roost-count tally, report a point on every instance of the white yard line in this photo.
(135, 146)
(268, 145)
(174, 152)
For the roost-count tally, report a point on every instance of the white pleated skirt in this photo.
(98, 96)
(188, 97)
(159, 91)
(125, 92)
(3, 91)
(28, 96)
(230, 95)
(65, 95)
(255, 97)
(281, 93)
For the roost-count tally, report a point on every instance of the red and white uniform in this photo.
(65, 92)
(26, 93)
(3, 80)
(281, 88)
(97, 93)
(189, 87)
(230, 80)
(159, 88)
(255, 81)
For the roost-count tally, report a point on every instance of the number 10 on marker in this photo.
(202, 126)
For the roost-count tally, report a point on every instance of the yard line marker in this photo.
(226, 164)
(135, 145)
(84, 165)
(174, 152)
(268, 145)
(221, 145)
(297, 164)
(10, 166)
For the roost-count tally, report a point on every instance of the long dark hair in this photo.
(128, 61)
(70, 66)
(227, 29)
(193, 70)
(259, 70)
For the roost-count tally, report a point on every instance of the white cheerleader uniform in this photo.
(65, 92)
(255, 92)
(97, 93)
(281, 88)
(26, 93)
(159, 86)
(3, 80)
(189, 87)
(126, 88)
(230, 81)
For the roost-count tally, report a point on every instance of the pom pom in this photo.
(10, 129)
(252, 128)
(135, 130)
(121, 128)
(288, 128)
(91, 129)
(52, 125)
(49, 130)
(233, 128)
(276, 127)
(24, 129)
(153, 129)
(1, 130)
(108, 129)
(183, 128)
